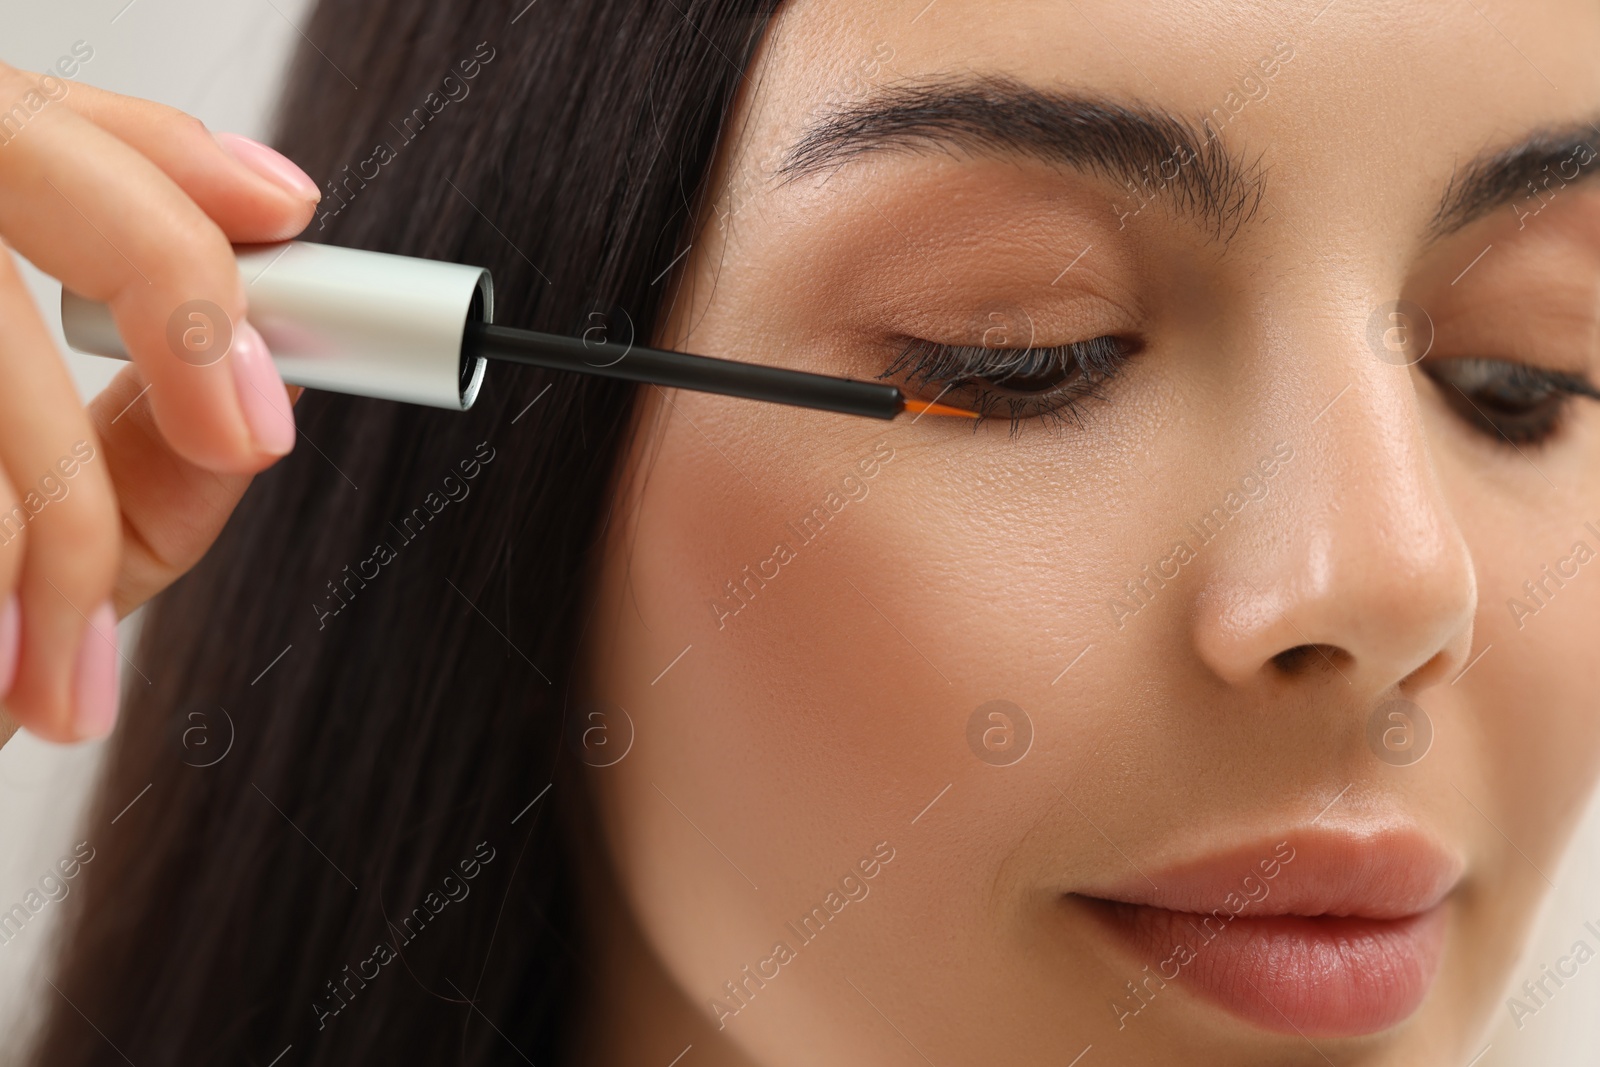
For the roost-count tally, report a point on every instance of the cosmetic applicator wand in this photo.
(421, 331)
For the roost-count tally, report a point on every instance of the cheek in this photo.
(1517, 734)
(803, 670)
(1538, 675)
(833, 641)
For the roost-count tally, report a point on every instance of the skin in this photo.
(136, 204)
(831, 712)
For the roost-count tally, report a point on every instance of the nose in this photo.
(1365, 576)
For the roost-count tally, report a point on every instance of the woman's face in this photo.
(1226, 695)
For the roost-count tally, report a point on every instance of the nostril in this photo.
(1300, 658)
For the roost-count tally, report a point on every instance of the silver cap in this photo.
(344, 320)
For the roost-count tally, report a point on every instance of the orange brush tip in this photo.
(927, 407)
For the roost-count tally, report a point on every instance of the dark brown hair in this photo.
(387, 729)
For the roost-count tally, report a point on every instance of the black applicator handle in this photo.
(681, 370)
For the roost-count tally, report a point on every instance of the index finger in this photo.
(88, 209)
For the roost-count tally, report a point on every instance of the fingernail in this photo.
(94, 676)
(270, 164)
(261, 393)
(10, 642)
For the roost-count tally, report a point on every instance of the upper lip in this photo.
(1383, 874)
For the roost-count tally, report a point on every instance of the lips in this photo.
(1321, 934)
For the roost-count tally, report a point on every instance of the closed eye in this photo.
(1515, 403)
(1017, 383)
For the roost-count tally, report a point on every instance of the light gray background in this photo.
(222, 60)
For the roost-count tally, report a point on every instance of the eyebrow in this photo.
(1544, 162)
(1148, 150)
(1145, 150)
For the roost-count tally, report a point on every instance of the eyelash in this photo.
(1085, 367)
(1530, 402)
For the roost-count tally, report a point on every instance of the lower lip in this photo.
(1323, 976)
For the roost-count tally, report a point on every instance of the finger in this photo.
(12, 543)
(59, 538)
(172, 511)
(251, 191)
(10, 631)
(91, 211)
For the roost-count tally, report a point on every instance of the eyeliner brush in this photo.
(682, 370)
(421, 331)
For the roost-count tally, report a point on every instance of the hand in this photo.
(138, 205)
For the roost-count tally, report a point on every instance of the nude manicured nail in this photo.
(94, 676)
(10, 642)
(270, 164)
(262, 395)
